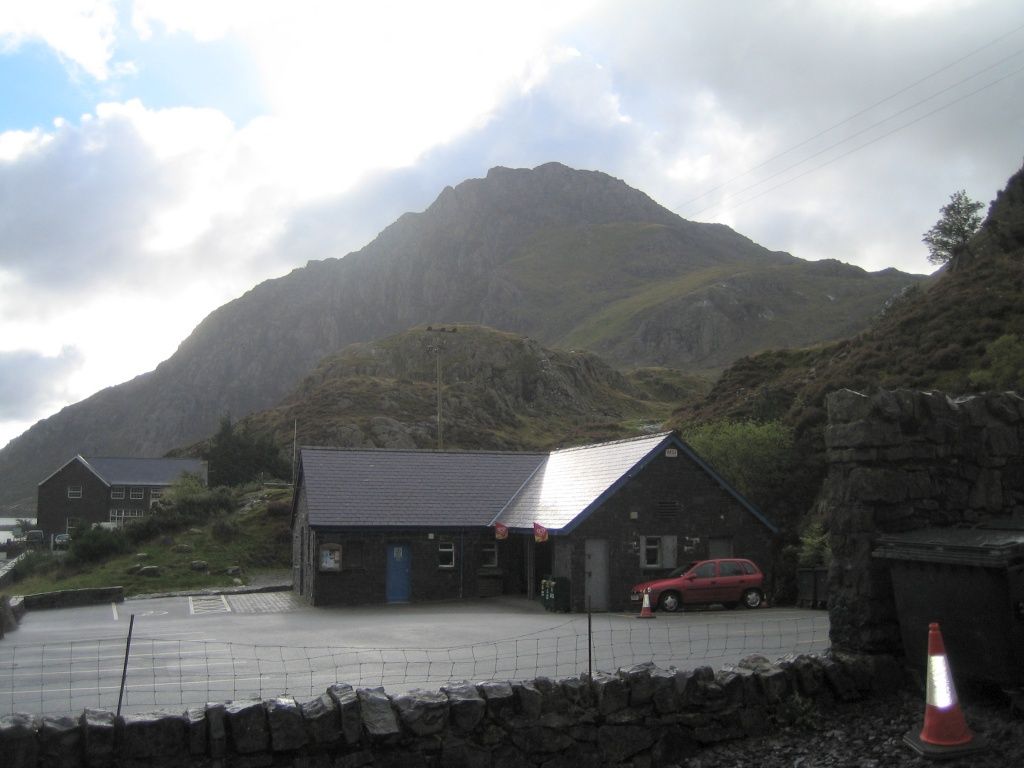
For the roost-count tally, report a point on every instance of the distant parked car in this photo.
(728, 581)
(35, 539)
(62, 541)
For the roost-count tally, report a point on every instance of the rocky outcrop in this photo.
(494, 384)
(904, 460)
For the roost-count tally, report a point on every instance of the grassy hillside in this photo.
(255, 537)
(961, 333)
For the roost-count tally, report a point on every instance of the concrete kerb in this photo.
(241, 590)
(78, 598)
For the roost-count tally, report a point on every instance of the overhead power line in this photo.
(870, 128)
(861, 112)
(872, 141)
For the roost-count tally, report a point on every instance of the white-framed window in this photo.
(155, 493)
(71, 524)
(652, 552)
(489, 555)
(120, 516)
(137, 494)
(74, 491)
(117, 492)
(446, 554)
(658, 551)
(330, 557)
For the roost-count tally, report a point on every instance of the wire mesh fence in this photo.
(64, 678)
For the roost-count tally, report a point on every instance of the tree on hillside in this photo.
(756, 458)
(237, 456)
(949, 236)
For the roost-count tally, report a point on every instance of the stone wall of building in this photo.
(645, 714)
(904, 460)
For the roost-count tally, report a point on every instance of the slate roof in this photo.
(416, 488)
(147, 472)
(411, 488)
(573, 481)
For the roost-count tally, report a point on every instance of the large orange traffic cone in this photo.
(945, 732)
(645, 609)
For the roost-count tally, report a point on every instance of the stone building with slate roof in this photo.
(396, 526)
(106, 490)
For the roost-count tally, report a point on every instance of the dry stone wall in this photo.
(642, 715)
(903, 460)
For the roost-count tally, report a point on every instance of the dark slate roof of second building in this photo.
(150, 472)
(411, 488)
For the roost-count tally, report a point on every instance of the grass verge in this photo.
(255, 537)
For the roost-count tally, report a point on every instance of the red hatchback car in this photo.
(728, 581)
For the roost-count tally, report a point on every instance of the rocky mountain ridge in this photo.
(575, 259)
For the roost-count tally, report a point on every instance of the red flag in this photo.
(540, 533)
(500, 531)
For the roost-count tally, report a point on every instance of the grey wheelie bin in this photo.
(971, 581)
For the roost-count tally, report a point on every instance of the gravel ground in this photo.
(870, 735)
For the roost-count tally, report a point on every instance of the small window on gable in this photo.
(74, 491)
(137, 494)
(117, 492)
(446, 554)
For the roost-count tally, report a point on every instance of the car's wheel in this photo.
(753, 598)
(669, 602)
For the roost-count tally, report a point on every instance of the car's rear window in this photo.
(730, 568)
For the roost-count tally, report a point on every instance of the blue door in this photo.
(399, 578)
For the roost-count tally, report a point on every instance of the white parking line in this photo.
(203, 604)
(113, 607)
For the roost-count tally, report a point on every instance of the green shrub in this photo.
(32, 563)
(279, 509)
(224, 531)
(95, 544)
(815, 549)
(143, 529)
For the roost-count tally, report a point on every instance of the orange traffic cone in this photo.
(945, 732)
(645, 610)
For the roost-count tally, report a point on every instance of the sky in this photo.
(159, 158)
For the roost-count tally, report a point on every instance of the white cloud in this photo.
(123, 228)
(30, 381)
(81, 32)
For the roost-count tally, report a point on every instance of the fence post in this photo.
(590, 643)
(124, 672)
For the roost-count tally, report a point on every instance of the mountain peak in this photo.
(574, 259)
